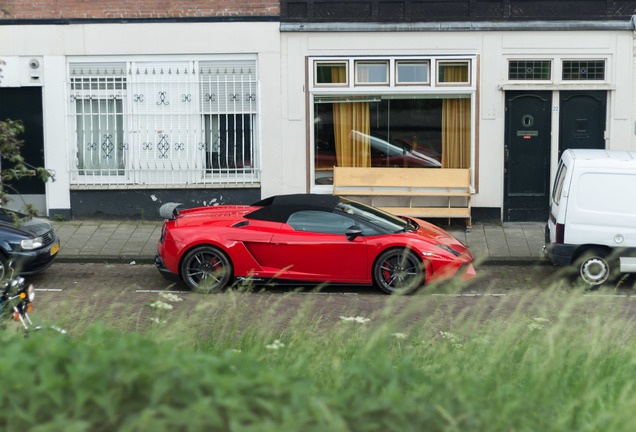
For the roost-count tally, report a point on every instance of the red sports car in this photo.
(306, 239)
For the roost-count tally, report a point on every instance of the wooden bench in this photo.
(423, 192)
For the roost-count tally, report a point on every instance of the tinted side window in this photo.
(320, 222)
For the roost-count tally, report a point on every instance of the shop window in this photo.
(413, 131)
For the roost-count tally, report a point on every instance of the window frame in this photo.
(586, 80)
(439, 63)
(359, 82)
(185, 151)
(427, 62)
(551, 69)
(372, 93)
(316, 64)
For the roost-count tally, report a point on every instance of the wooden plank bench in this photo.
(448, 188)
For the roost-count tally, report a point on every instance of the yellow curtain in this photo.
(352, 129)
(456, 124)
(456, 133)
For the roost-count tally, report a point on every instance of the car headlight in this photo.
(30, 244)
(448, 249)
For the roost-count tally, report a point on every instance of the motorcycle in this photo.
(16, 301)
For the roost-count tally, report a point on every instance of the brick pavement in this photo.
(127, 241)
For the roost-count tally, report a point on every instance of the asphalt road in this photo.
(90, 292)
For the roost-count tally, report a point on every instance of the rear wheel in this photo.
(398, 271)
(595, 267)
(206, 268)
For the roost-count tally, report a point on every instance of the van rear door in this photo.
(557, 206)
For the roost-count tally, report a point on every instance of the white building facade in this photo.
(523, 93)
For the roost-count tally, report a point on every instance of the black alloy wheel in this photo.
(398, 271)
(206, 268)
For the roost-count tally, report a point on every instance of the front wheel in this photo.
(398, 271)
(206, 268)
(4, 267)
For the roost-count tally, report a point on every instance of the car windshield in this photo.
(375, 216)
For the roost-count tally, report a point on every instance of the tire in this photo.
(206, 268)
(398, 271)
(3, 267)
(595, 268)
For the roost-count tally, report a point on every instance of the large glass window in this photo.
(164, 122)
(414, 131)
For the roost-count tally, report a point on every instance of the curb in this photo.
(110, 259)
(117, 259)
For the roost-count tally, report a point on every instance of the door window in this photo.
(320, 222)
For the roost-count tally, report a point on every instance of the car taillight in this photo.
(560, 233)
(163, 233)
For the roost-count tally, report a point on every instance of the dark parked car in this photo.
(26, 246)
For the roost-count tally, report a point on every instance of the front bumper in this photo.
(35, 261)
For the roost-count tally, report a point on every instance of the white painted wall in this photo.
(55, 43)
(494, 48)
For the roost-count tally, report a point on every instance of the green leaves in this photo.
(12, 164)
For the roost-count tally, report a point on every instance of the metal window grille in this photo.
(164, 123)
(584, 70)
(529, 69)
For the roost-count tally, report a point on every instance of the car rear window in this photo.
(558, 184)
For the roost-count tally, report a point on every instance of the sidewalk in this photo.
(128, 241)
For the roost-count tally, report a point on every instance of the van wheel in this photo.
(595, 268)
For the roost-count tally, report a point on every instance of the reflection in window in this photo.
(331, 73)
(368, 72)
(412, 132)
(412, 72)
(320, 222)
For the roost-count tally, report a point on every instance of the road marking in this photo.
(162, 291)
(50, 289)
(470, 295)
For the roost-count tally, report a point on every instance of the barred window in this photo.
(164, 123)
(584, 70)
(529, 70)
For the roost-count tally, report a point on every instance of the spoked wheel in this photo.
(595, 268)
(206, 268)
(398, 271)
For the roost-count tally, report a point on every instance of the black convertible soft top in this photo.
(278, 208)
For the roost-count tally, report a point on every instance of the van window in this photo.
(558, 185)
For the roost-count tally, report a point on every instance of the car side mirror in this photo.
(353, 232)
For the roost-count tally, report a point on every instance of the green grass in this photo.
(534, 361)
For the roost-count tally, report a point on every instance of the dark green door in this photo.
(25, 103)
(527, 156)
(582, 120)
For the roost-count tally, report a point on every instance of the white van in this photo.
(592, 221)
